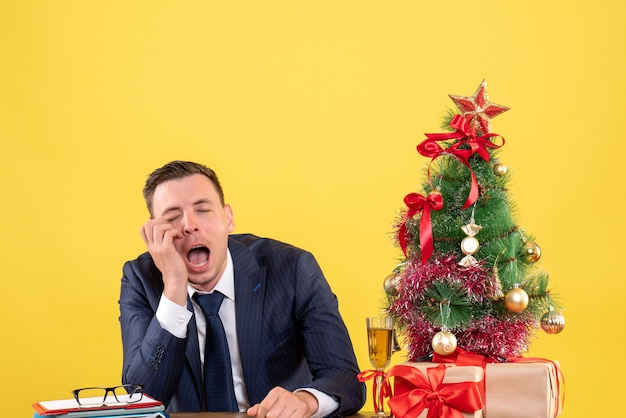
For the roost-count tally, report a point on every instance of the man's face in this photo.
(192, 205)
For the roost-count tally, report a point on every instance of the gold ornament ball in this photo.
(532, 252)
(500, 169)
(391, 284)
(444, 343)
(552, 322)
(516, 299)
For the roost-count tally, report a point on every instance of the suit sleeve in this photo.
(151, 355)
(328, 349)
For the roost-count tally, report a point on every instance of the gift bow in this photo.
(443, 400)
(463, 136)
(416, 203)
(385, 389)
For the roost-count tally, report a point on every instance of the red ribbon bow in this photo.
(415, 203)
(463, 136)
(385, 389)
(442, 400)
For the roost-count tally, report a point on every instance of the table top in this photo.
(207, 414)
(238, 415)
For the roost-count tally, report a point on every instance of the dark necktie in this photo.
(218, 378)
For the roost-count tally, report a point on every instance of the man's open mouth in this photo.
(198, 256)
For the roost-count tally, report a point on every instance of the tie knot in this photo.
(209, 302)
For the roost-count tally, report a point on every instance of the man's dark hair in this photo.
(176, 170)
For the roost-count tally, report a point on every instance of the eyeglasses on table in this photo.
(108, 396)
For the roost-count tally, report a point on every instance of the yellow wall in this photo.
(310, 112)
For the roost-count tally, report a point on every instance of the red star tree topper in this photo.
(478, 110)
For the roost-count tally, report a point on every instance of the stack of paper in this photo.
(69, 408)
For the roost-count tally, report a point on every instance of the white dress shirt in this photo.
(175, 318)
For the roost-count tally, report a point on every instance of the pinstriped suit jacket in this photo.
(289, 329)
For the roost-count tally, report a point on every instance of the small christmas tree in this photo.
(469, 276)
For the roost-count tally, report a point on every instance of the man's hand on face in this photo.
(281, 403)
(159, 236)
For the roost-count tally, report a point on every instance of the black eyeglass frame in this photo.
(129, 388)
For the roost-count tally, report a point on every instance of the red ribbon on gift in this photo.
(463, 136)
(443, 400)
(416, 203)
(462, 357)
(385, 389)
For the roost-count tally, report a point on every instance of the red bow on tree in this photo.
(418, 203)
(467, 144)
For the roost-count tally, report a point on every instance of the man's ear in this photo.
(230, 218)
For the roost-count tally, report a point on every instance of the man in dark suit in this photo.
(288, 350)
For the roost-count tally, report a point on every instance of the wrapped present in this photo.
(431, 390)
(523, 388)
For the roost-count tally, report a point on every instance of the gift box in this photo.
(427, 390)
(523, 388)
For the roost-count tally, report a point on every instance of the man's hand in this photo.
(280, 403)
(159, 236)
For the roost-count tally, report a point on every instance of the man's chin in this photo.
(202, 281)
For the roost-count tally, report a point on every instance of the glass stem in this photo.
(380, 410)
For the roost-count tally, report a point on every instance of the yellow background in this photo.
(310, 112)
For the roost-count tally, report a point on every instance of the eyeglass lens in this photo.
(106, 396)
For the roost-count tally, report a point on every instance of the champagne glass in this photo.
(379, 338)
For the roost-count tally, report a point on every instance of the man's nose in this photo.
(189, 224)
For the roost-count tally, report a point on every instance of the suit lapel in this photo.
(249, 295)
